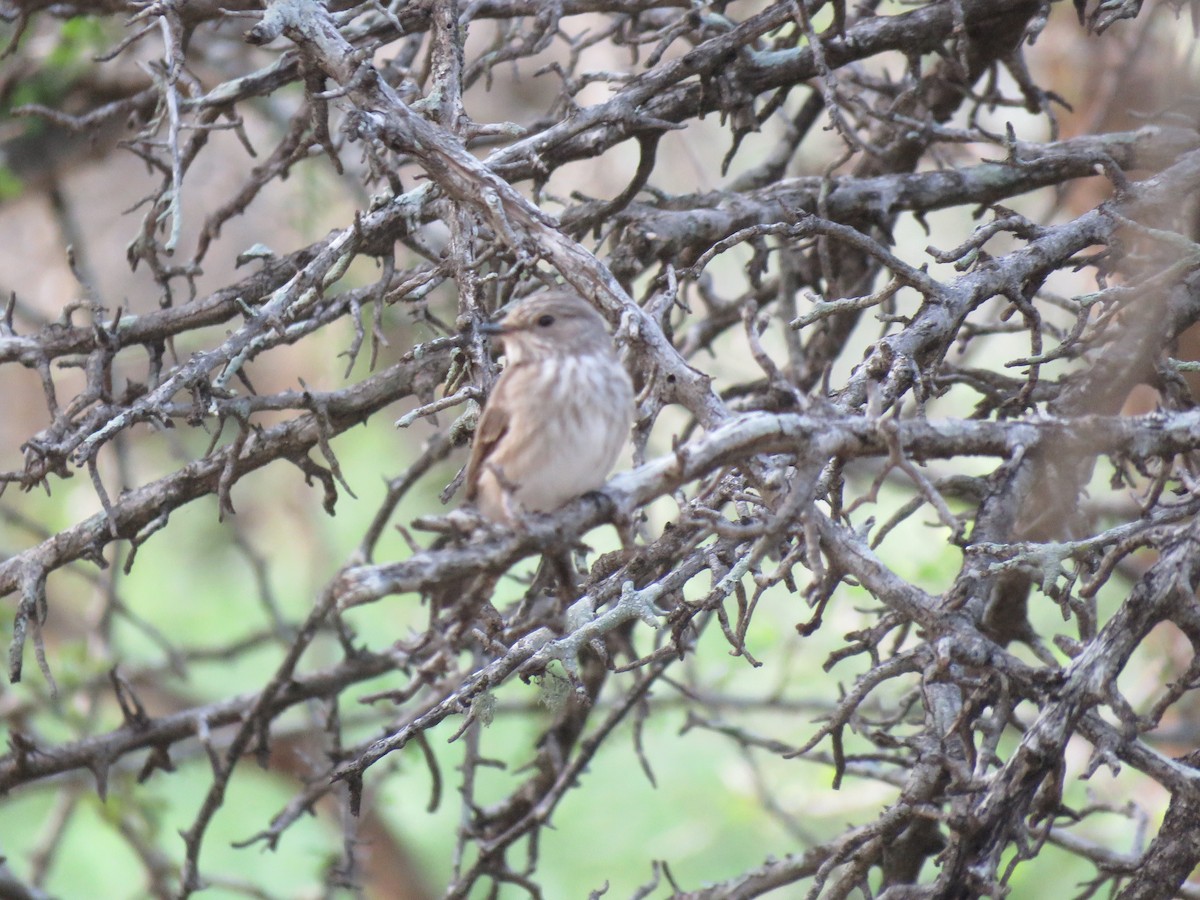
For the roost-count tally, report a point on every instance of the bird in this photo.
(559, 414)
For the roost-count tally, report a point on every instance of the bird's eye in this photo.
(545, 321)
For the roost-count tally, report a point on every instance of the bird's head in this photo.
(552, 323)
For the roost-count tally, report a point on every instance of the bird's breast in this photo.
(571, 430)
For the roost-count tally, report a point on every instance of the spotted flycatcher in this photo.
(558, 415)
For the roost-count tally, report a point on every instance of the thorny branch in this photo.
(816, 372)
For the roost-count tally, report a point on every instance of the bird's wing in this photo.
(493, 425)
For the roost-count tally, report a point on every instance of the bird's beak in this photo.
(491, 327)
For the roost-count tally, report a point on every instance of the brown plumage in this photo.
(559, 413)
